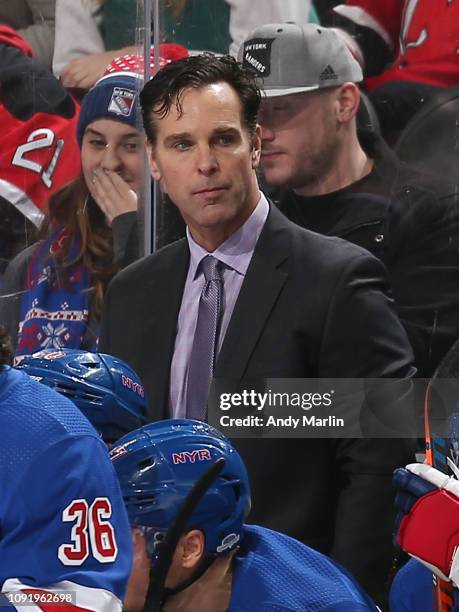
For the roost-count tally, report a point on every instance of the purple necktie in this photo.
(204, 350)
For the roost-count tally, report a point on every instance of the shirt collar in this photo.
(236, 252)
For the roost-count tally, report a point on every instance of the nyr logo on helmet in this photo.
(131, 384)
(122, 101)
(191, 456)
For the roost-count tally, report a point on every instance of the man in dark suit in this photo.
(280, 302)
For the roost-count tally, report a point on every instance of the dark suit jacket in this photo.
(310, 306)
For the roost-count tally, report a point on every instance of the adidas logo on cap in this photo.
(328, 74)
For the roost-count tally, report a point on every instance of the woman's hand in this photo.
(112, 194)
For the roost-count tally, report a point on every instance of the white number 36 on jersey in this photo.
(91, 534)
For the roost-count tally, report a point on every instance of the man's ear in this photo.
(348, 100)
(191, 548)
(256, 147)
(154, 168)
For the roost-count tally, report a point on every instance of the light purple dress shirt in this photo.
(235, 253)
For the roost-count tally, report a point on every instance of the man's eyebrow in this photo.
(177, 136)
(228, 129)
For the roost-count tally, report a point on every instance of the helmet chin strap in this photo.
(202, 568)
(157, 591)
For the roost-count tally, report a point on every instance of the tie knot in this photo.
(211, 268)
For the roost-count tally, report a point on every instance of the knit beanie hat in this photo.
(114, 96)
(132, 62)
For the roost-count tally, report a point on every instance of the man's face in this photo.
(205, 159)
(139, 578)
(299, 137)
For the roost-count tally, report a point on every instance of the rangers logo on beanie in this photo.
(114, 96)
(122, 101)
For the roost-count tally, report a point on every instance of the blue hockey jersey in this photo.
(63, 524)
(275, 573)
(412, 589)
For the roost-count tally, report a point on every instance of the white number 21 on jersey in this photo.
(42, 138)
(91, 534)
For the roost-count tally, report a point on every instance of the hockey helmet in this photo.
(106, 390)
(157, 467)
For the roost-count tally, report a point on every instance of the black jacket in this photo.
(411, 223)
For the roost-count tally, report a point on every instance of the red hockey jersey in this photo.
(36, 157)
(39, 151)
(423, 34)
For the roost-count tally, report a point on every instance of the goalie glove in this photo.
(429, 525)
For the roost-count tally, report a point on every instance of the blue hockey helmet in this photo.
(106, 390)
(158, 466)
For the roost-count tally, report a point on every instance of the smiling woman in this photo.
(111, 158)
(56, 287)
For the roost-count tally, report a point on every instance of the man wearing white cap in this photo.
(305, 136)
(336, 179)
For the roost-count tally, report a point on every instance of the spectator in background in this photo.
(56, 287)
(246, 15)
(221, 25)
(92, 34)
(78, 32)
(81, 54)
(80, 57)
(83, 51)
(34, 21)
(408, 50)
(331, 184)
(39, 150)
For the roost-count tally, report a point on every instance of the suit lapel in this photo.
(261, 287)
(163, 310)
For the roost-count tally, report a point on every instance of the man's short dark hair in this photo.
(6, 354)
(168, 85)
